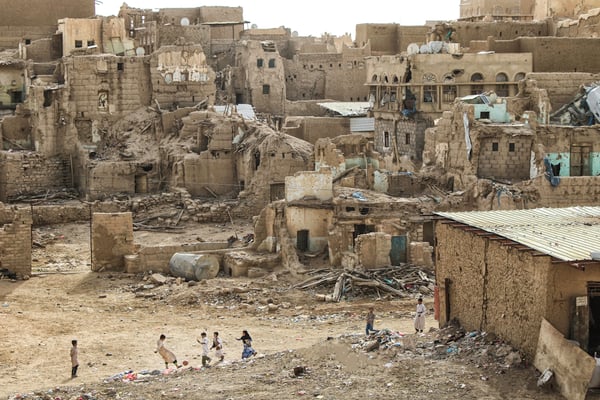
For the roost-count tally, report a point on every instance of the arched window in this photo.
(519, 76)
(476, 88)
(502, 88)
(396, 79)
(374, 78)
(385, 79)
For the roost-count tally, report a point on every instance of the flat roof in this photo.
(567, 234)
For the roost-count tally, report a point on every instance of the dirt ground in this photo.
(117, 319)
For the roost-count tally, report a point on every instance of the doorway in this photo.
(302, 240)
(594, 317)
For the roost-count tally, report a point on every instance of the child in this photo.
(370, 321)
(204, 342)
(420, 316)
(166, 354)
(247, 341)
(74, 361)
(218, 346)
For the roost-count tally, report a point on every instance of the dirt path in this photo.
(117, 320)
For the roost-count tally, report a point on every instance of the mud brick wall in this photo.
(169, 34)
(15, 239)
(112, 238)
(107, 178)
(59, 214)
(126, 80)
(11, 35)
(571, 191)
(408, 137)
(24, 173)
(503, 163)
(561, 88)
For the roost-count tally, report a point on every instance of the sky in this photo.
(313, 17)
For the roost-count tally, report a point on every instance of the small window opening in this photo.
(120, 66)
(78, 44)
(495, 146)
(511, 147)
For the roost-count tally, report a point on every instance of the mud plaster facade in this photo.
(488, 286)
(15, 239)
(389, 39)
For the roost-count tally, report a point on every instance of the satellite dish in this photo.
(140, 51)
(253, 26)
(413, 48)
(185, 21)
(424, 49)
(436, 46)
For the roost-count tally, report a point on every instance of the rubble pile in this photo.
(480, 349)
(399, 281)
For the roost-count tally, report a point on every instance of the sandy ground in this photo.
(117, 319)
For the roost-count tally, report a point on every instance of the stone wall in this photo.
(112, 239)
(15, 239)
(573, 190)
(24, 173)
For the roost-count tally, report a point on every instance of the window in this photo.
(449, 93)
(429, 94)
(484, 115)
(120, 66)
(511, 147)
(495, 146)
(259, 63)
(90, 43)
(477, 88)
(78, 44)
(272, 63)
(502, 89)
(266, 89)
(386, 139)
(407, 138)
(27, 41)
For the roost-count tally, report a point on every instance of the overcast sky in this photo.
(314, 17)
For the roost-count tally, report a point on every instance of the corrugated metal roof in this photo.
(348, 108)
(245, 110)
(568, 234)
(362, 124)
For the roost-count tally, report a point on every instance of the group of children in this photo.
(169, 357)
(419, 321)
(217, 344)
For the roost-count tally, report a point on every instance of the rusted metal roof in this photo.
(567, 234)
